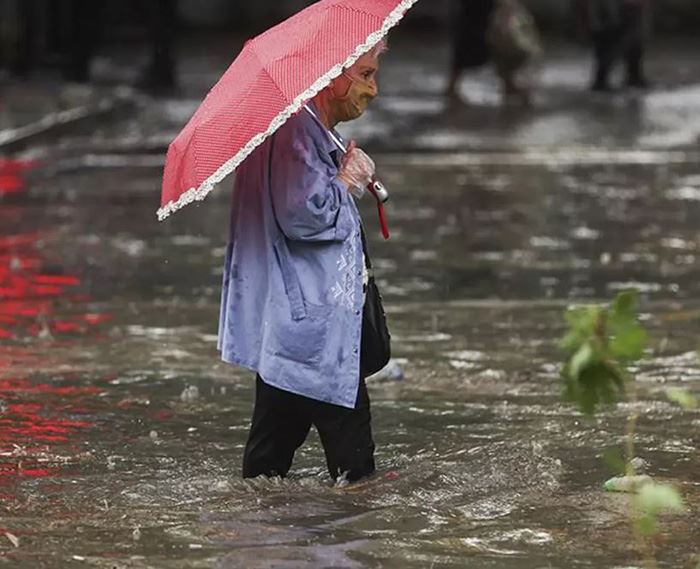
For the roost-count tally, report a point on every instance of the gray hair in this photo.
(378, 48)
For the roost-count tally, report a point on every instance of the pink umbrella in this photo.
(270, 80)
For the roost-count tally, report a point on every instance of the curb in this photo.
(14, 139)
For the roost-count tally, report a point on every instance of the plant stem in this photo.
(643, 542)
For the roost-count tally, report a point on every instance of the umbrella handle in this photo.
(380, 193)
(375, 187)
(382, 220)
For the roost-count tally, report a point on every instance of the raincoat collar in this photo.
(328, 144)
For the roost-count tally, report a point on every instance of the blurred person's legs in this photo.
(512, 89)
(457, 22)
(633, 33)
(25, 55)
(85, 28)
(58, 34)
(634, 59)
(605, 47)
(469, 20)
(161, 18)
(509, 71)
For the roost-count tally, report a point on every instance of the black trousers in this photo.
(624, 41)
(161, 16)
(282, 420)
(85, 29)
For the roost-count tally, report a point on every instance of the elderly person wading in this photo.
(294, 282)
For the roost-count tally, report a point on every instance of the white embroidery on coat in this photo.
(344, 288)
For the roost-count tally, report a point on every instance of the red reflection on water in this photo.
(38, 308)
(35, 417)
(28, 294)
(11, 175)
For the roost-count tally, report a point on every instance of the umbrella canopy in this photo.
(272, 77)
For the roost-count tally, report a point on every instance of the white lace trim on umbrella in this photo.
(198, 194)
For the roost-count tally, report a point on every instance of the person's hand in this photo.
(356, 168)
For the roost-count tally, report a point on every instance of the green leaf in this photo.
(582, 317)
(615, 462)
(625, 304)
(628, 337)
(683, 397)
(646, 524)
(582, 321)
(629, 343)
(580, 360)
(658, 497)
(598, 343)
(600, 382)
(654, 499)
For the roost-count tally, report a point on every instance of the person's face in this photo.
(355, 89)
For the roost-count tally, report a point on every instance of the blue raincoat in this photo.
(291, 303)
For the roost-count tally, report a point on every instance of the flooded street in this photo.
(122, 432)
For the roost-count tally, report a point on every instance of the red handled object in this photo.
(380, 193)
(375, 187)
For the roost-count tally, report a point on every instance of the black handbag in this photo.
(375, 346)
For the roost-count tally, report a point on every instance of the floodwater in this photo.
(122, 434)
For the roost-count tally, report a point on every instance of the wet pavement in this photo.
(121, 432)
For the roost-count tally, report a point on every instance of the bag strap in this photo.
(365, 250)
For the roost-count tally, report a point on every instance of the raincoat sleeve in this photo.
(310, 202)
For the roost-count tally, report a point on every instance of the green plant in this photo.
(600, 344)
(654, 499)
(682, 397)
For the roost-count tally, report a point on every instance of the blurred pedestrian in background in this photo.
(514, 41)
(161, 23)
(59, 33)
(159, 17)
(67, 34)
(20, 35)
(469, 21)
(500, 31)
(619, 29)
(84, 21)
(24, 54)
